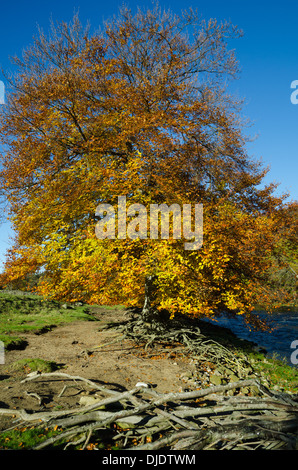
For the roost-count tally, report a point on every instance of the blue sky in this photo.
(268, 56)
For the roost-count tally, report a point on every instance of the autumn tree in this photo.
(283, 275)
(139, 109)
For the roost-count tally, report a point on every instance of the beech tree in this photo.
(139, 109)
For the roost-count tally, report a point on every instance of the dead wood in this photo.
(200, 419)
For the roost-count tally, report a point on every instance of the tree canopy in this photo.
(139, 109)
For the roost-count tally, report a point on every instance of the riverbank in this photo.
(87, 342)
(25, 316)
(279, 342)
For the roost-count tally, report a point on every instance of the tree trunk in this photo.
(150, 315)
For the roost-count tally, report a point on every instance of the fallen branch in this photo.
(71, 377)
(200, 419)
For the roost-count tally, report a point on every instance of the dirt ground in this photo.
(118, 366)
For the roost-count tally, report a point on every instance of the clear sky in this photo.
(268, 56)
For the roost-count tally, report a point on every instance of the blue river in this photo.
(280, 342)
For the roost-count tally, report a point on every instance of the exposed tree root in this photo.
(183, 337)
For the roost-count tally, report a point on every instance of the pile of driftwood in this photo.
(143, 419)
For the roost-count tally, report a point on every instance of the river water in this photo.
(278, 342)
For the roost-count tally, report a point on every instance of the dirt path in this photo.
(119, 366)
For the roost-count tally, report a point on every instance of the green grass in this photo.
(25, 438)
(34, 364)
(278, 373)
(21, 313)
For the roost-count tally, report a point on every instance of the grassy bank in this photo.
(21, 313)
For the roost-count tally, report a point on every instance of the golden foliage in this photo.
(137, 110)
